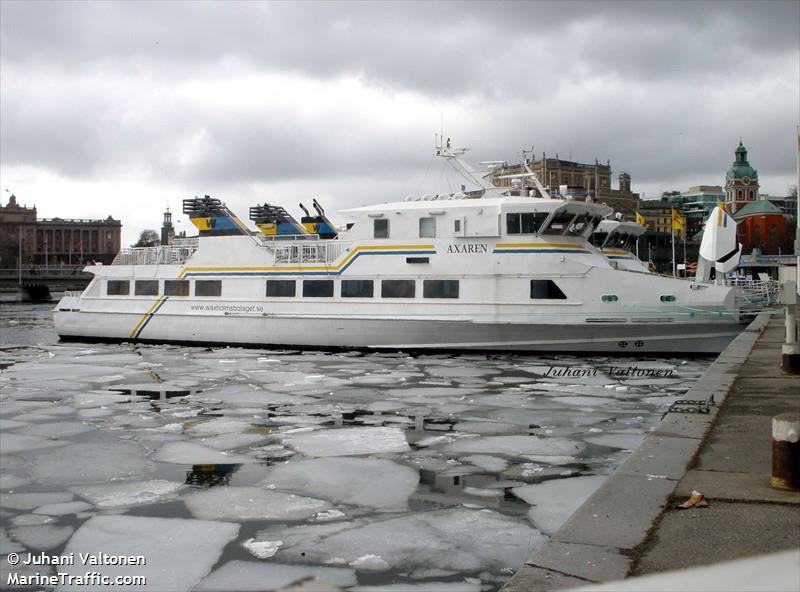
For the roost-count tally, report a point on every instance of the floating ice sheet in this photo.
(119, 495)
(9, 481)
(458, 539)
(492, 464)
(251, 503)
(262, 549)
(556, 500)
(11, 443)
(624, 441)
(349, 441)
(42, 538)
(29, 501)
(178, 552)
(189, 453)
(249, 576)
(518, 445)
(63, 508)
(377, 483)
(422, 587)
(90, 462)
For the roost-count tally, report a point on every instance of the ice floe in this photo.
(377, 483)
(29, 501)
(63, 508)
(249, 576)
(135, 493)
(554, 501)
(189, 453)
(43, 537)
(90, 463)
(262, 549)
(459, 539)
(251, 503)
(349, 441)
(178, 553)
(518, 445)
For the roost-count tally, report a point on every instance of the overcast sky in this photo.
(123, 109)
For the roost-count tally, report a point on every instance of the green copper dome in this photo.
(741, 168)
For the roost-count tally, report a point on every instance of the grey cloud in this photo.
(439, 48)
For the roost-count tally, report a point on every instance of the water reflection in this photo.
(211, 475)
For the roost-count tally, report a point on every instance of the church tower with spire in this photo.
(741, 182)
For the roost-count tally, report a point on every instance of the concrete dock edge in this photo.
(598, 541)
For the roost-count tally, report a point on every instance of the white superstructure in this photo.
(492, 273)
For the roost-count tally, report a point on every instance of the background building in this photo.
(696, 205)
(54, 241)
(763, 229)
(582, 181)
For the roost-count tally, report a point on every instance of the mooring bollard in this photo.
(786, 451)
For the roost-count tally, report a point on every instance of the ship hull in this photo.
(624, 338)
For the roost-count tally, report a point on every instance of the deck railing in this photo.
(309, 251)
(168, 255)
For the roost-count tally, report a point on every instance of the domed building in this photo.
(741, 182)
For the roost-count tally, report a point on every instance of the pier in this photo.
(719, 442)
(55, 278)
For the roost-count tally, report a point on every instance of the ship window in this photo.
(176, 287)
(667, 298)
(440, 288)
(317, 288)
(579, 225)
(118, 288)
(281, 288)
(559, 224)
(456, 226)
(524, 222)
(397, 288)
(427, 227)
(146, 288)
(357, 288)
(208, 288)
(381, 228)
(609, 298)
(546, 290)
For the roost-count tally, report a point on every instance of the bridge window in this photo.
(427, 227)
(524, 222)
(176, 287)
(281, 288)
(398, 288)
(317, 288)
(440, 289)
(357, 288)
(118, 288)
(381, 228)
(546, 290)
(208, 288)
(146, 288)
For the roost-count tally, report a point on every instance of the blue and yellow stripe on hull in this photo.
(539, 248)
(336, 269)
(617, 254)
(137, 330)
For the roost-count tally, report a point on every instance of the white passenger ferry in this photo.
(495, 272)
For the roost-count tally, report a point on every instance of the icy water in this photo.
(237, 469)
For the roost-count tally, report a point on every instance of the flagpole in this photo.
(673, 252)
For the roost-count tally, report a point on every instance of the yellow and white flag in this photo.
(640, 219)
(678, 221)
